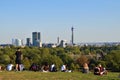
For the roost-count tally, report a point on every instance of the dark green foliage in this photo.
(113, 60)
(4, 59)
(72, 50)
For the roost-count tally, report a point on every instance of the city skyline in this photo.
(93, 20)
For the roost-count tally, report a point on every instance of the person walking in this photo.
(18, 54)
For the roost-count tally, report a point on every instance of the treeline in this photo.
(74, 57)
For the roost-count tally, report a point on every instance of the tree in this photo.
(113, 60)
(82, 59)
(86, 51)
(4, 59)
(73, 50)
(66, 59)
(26, 63)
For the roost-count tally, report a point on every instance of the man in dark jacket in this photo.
(18, 54)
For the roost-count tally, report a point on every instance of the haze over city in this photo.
(93, 20)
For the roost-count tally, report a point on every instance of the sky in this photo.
(93, 20)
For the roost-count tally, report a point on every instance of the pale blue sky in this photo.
(93, 20)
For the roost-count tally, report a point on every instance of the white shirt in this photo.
(63, 67)
(9, 67)
(52, 66)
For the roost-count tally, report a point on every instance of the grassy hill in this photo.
(28, 75)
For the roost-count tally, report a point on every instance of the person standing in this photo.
(18, 54)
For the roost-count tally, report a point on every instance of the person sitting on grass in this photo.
(96, 71)
(99, 70)
(105, 71)
(53, 68)
(63, 68)
(102, 70)
(85, 68)
(9, 67)
(34, 67)
(45, 67)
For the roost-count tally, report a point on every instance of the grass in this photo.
(29, 75)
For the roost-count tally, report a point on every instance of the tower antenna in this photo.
(72, 37)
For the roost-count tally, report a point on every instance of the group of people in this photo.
(44, 68)
(98, 70)
(49, 68)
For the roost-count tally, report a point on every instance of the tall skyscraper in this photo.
(36, 39)
(58, 40)
(17, 42)
(28, 42)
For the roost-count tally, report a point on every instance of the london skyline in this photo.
(93, 20)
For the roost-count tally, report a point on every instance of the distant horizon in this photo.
(93, 20)
(24, 42)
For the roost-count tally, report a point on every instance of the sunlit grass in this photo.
(29, 75)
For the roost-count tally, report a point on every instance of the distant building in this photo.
(58, 41)
(5, 45)
(63, 43)
(36, 39)
(50, 45)
(17, 42)
(28, 42)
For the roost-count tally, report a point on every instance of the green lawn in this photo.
(28, 75)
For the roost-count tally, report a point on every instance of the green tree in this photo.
(72, 50)
(113, 60)
(4, 59)
(66, 59)
(26, 63)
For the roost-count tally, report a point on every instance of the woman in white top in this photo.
(63, 68)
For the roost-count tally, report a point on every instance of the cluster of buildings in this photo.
(36, 41)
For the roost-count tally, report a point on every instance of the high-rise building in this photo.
(58, 41)
(36, 39)
(17, 42)
(28, 42)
